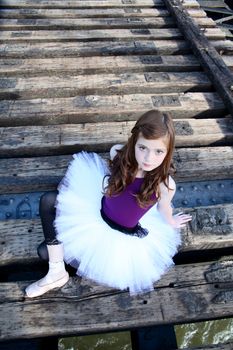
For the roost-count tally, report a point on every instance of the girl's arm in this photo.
(164, 206)
(114, 149)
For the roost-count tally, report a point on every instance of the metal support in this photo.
(154, 338)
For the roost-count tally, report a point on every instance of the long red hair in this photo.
(151, 125)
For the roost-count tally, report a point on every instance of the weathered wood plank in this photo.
(93, 13)
(44, 173)
(95, 108)
(105, 34)
(211, 228)
(196, 164)
(98, 64)
(19, 175)
(96, 23)
(90, 35)
(211, 61)
(105, 48)
(88, 4)
(60, 139)
(186, 293)
(104, 84)
(71, 49)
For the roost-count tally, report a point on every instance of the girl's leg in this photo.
(47, 212)
(57, 275)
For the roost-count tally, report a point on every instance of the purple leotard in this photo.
(123, 208)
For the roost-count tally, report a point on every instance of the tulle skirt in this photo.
(98, 251)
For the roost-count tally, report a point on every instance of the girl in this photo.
(98, 209)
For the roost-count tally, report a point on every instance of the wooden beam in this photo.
(104, 48)
(100, 64)
(57, 4)
(186, 293)
(93, 13)
(101, 34)
(66, 138)
(220, 75)
(104, 84)
(96, 108)
(95, 23)
(18, 175)
(211, 228)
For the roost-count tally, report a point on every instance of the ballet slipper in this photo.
(56, 277)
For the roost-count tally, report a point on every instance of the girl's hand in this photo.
(180, 220)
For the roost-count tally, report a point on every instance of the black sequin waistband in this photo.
(137, 231)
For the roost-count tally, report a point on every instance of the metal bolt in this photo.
(185, 202)
(208, 187)
(194, 188)
(8, 214)
(181, 189)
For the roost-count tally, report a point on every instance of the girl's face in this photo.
(149, 154)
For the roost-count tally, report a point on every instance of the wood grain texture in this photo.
(19, 175)
(101, 35)
(97, 64)
(93, 13)
(104, 84)
(211, 228)
(211, 61)
(186, 293)
(96, 23)
(88, 4)
(55, 139)
(96, 108)
(104, 48)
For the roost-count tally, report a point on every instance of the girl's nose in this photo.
(148, 156)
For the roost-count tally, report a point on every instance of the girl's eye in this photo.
(142, 148)
(159, 151)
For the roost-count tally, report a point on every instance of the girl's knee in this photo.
(47, 201)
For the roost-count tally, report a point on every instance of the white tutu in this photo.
(101, 253)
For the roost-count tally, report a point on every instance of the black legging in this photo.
(47, 214)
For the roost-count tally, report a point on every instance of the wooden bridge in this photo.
(76, 75)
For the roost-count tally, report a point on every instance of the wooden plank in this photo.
(44, 173)
(98, 64)
(211, 228)
(104, 48)
(88, 24)
(104, 84)
(82, 35)
(218, 72)
(186, 293)
(92, 13)
(106, 64)
(71, 49)
(196, 164)
(60, 139)
(105, 34)
(88, 4)
(96, 23)
(18, 175)
(96, 108)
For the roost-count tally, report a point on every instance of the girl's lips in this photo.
(146, 165)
